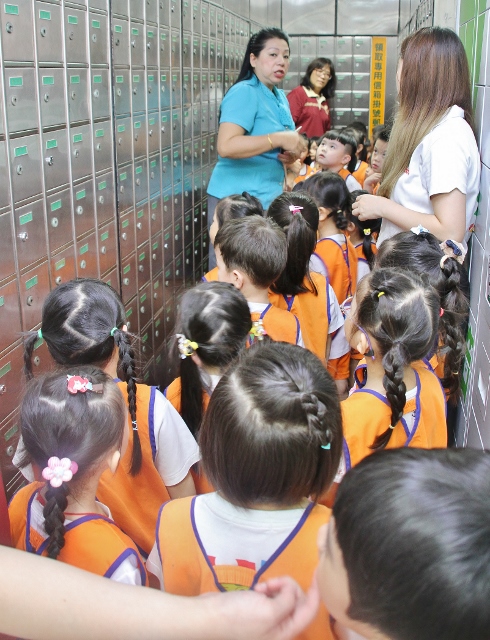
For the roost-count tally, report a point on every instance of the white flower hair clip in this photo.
(186, 347)
(419, 229)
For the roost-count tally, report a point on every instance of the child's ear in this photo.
(238, 279)
(362, 344)
(113, 461)
(346, 158)
(351, 227)
(323, 213)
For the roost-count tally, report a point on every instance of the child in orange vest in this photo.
(271, 437)
(337, 153)
(251, 254)
(303, 292)
(375, 172)
(399, 402)
(84, 321)
(231, 208)
(213, 328)
(73, 426)
(335, 257)
(354, 130)
(363, 234)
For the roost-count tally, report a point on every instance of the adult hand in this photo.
(368, 207)
(289, 159)
(290, 141)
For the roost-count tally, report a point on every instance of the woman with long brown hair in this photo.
(431, 173)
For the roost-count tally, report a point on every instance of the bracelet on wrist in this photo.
(270, 141)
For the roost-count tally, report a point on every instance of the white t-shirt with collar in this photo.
(446, 159)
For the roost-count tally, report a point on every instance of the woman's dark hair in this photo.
(83, 427)
(360, 138)
(82, 322)
(216, 316)
(238, 206)
(329, 191)
(255, 45)
(421, 254)
(366, 227)
(328, 90)
(272, 433)
(346, 138)
(301, 229)
(401, 313)
(413, 526)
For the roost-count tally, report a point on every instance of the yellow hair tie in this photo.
(367, 232)
(186, 347)
(381, 293)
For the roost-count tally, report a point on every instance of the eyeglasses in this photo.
(321, 72)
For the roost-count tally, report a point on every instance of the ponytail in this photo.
(54, 518)
(191, 395)
(29, 342)
(340, 220)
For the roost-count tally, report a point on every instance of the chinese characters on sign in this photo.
(378, 83)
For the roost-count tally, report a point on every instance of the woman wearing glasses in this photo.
(309, 101)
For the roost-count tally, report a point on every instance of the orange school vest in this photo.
(367, 414)
(360, 252)
(93, 542)
(279, 324)
(134, 501)
(211, 276)
(188, 571)
(360, 173)
(340, 261)
(312, 312)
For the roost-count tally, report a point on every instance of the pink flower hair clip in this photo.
(295, 209)
(59, 471)
(77, 383)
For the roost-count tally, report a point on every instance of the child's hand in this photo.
(371, 181)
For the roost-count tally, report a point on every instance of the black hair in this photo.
(360, 138)
(255, 45)
(312, 140)
(238, 206)
(82, 427)
(347, 139)
(216, 316)
(82, 322)
(329, 190)
(255, 245)
(383, 134)
(272, 433)
(401, 313)
(301, 230)
(421, 254)
(328, 90)
(366, 227)
(413, 526)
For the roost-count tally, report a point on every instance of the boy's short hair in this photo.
(255, 245)
(350, 144)
(413, 526)
(383, 134)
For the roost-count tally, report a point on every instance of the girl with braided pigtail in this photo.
(271, 438)
(84, 322)
(61, 417)
(399, 402)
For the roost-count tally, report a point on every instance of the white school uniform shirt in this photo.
(446, 159)
(352, 184)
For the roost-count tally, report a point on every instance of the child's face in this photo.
(313, 149)
(379, 154)
(331, 154)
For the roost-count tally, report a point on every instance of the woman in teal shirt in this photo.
(256, 135)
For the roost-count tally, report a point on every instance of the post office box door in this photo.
(9, 315)
(9, 439)
(179, 275)
(360, 114)
(152, 90)
(187, 123)
(165, 89)
(151, 12)
(176, 126)
(205, 86)
(154, 172)
(196, 51)
(137, 39)
(196, 87)
(62, 265)
(169, 309)
(4, 183)
(138, 97)
(188, 223)
(144, 306)
(20, 94)
(187, 15)
(132, 315)
(204, 150)
(34, 287)
(166, 166)
(196, 122)
(125, 187)
(152, 53)
(60, 223)
(101, 104)
(11, 381)
(168, 247)
(156, 217)
(165, 46)
(204, 118)
(99, 38)
(361, 64)
(204, 54)
(156, 253)
(344, 81)
(165, 129)
(205, 18)
(81, 151)
(102, 5)
(107, 247)
(147, 351)
(83, 207)
(112, 279)
(196, 220)
(48, 32)
(87, 266)
(141, 180)
(121, 41)
(167, 208)
(187, 159)
(25, 160)
(186, 50)
(17, 31)
(159, 321)
(177, 165)
(122, 92)
(104, 196)
(362, 45)
(360, 100)
(52, 97)
(56, 158)
(78, 95)
(189, 263)
(197, 187)
(120, 7)
(144, 264)
(124, 144)
(175, 13)
(103, 152)
(142, 223)
(153, 132)
(344, 64)
(76, 36)
(140, 135)
(212, 55)
(360, 82)
(7, 263)
(187, 87)
(205, 180)
(176, 88)
(127, 234)
(30, 234)
(213, 125)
